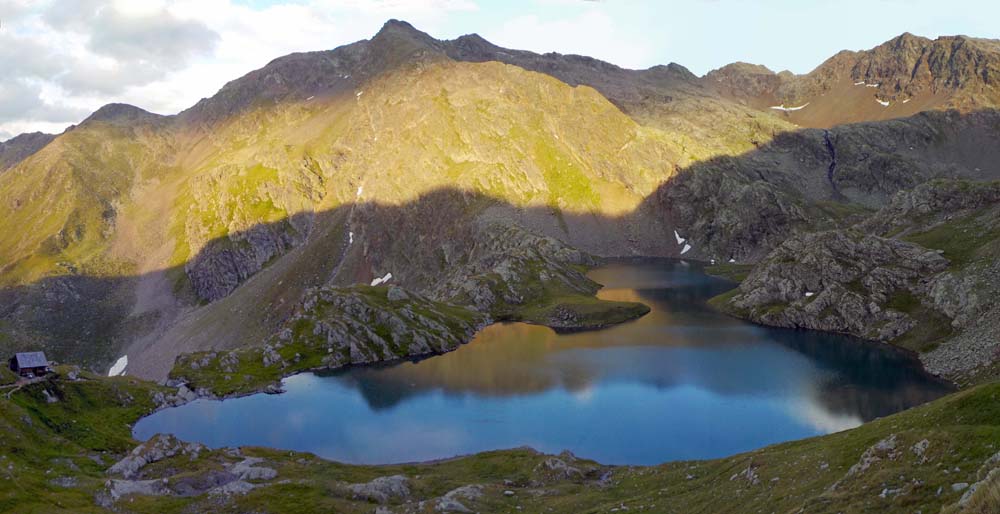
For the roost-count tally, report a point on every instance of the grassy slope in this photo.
(41, 442)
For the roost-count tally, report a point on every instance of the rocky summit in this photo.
(387, 199)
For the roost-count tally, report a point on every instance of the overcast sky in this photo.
(62, 59)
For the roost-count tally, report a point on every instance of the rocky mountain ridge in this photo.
(19, 148)
(900, 77)
(391, 155)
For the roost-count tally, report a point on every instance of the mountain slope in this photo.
(412, 156)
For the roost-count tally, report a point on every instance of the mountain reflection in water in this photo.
(682, 382)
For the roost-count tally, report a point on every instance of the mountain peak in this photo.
(401, 30)
(394, 25)
(121, 113)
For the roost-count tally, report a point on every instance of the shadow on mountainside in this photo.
(239, 288)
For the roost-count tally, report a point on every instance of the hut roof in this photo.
(31, 360)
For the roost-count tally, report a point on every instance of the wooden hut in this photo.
(30, 364)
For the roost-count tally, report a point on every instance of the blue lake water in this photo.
(683, 382)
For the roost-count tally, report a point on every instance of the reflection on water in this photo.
(682, 382)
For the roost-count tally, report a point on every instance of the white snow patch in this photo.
(310, 98)
(872, 85)
(679, 238)
(732, 260)
(883, 104)
(859, 83)
(119, 368)
(907, 100)
(685, 249)
(382, 280)
(360, 190)
(359, 93)
(809, 293)
(712, 261)
(350, 238)
(783, 108)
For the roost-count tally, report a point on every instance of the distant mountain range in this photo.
(441, 162)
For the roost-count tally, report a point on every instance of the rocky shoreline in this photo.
(920, 274)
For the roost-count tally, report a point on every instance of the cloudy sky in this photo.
(62, 59)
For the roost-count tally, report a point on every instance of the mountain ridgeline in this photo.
(479, 183)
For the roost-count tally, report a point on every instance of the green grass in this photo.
(730, 271)
(962, 241)
(722, 303)
(579, 312)
(40, 441)
(932, 326)
(6, 375)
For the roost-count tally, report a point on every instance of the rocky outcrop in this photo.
(333, 327)
(509, 266)
(363, 325)
(382, 489)
(921, 272)
(839, 281)
(157, 448)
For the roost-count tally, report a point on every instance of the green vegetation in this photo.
(841, 213)
(579, 312)
(70, 441)
(932, 326)
(730, 271)
(54, 456)
(963, 241)
(722, 303)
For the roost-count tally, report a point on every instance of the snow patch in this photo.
(907, 100)
(883, 104)
(783, 108)
(872, 85)
(809, 293)
(359, 93)
(119, 368)
(382, 280)
(361, 189)
(685, 249)
(350, 238)
(679, 238)
(310, 98)
(732, 261)
(859, 83)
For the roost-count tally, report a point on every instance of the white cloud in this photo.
(591, 32)
(63, 60)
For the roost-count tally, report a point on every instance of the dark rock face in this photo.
(21, 147)
(838, 281)
(224, 264)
